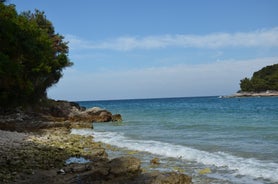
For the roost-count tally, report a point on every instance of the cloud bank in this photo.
(258, 38)
(218, 78)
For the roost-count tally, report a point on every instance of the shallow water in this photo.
(236, 138)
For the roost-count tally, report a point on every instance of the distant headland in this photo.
(267, 93)
(263, 83)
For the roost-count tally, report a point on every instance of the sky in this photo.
(129, 49)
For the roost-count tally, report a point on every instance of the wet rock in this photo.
(155, 161)
(205, 171)
(117, 117)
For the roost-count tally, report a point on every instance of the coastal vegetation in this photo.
(262, 80)
(32, 56)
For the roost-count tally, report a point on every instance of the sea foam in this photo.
(241, 166)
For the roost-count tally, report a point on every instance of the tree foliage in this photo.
(262, 80)
(32, 56)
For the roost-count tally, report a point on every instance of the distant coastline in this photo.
(268, 93)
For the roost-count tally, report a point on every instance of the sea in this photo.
(214, 140)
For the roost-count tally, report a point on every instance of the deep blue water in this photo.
(237, 138)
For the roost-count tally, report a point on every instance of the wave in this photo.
(252, 167)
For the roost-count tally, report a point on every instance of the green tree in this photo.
(32, 56)
(246, 85)
(262, 80)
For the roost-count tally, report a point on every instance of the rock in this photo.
(59, 108)
(117, 117)
(205, 171)
(51, 113)
(61, 171)
(82, 125)
(155, 161)
(75, 168)
(94, 114)
(97, 153)
(98, 173)
(99, 115)
(95, 110)
(104, 116)
(178, 169)
(100, 169)
(42, 156)
(171, 178)
(125, 166)
(155, 178)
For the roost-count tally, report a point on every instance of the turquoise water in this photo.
(237, 138)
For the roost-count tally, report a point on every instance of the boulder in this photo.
(125, 166)
(117, 117)
(116, 171)
(94, 114)
(169, 178)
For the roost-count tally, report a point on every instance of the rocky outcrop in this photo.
(94, 114)
(40, 156)
(71, 111)
(55, 114)
(21, 121)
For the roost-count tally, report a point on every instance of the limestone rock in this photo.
(94, 114)
(54, 114)
(125, 166)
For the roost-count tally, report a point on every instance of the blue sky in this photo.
(160, 48)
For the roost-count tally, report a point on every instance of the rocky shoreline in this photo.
(36, 148)
(253, 94)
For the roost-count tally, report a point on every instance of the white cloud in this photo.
(218, 78)
(258, 38)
